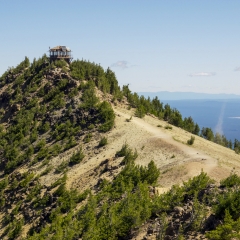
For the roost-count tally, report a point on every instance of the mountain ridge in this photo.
(83, 159)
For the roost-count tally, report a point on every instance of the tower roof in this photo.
(60, 48)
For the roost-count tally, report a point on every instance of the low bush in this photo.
(3, 183)
(197, 183)
(77, 157)
(140, 111)
(129, 119)
(124, 150)
(191, 140)
(232, 180)
(228, 230)
(103, 142)
(127, 153)
(60, 63)
(61, 167)
(14, 228)
(59, 181)
(47, 170)
(91, 126)
(106, 116)
(71, 143)
(230, 200)
(87, 138)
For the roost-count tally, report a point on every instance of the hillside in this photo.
(161, 144)
(77, 162)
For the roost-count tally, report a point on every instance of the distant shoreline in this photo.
(164, 95)
(221, 116)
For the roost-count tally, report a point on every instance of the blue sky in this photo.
(164, 45)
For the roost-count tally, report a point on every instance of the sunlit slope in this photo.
(169, 149)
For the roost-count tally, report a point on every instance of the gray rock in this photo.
(178, 210)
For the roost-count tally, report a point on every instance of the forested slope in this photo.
(55, 119)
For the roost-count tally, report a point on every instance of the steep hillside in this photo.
(76, 162)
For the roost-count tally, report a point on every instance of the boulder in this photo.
(178, 210)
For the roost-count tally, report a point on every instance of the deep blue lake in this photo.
(221, 116)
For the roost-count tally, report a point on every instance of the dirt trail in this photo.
(167, 148)
(193, 155)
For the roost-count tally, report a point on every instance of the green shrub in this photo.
(60, 181)
(191, 140)
(77, 157)
(62, 167)
(150, 174)
(106, 116)
(230, 229)
(236, 146)
(7, 218)
(87, 138)
(27, 179)
(129, 119)
(207, 133)
(229, 200)
(197, 183)
(71, 143)
(34, 192)
(127, 153)
(2, 199)
(103, 142)
(40, 145)
(60, 63)
(15, 228)
(62, 84)
(60, 190)
(29, 151)
(89, 97)
(47, 170)
(57, 102)
(123, 151)
(3, 183)
(42, 202)
(140, 111)
(232, 180)
(91, 126)
(44, 128)
(10, 166)
(55, 149)
(130, 157)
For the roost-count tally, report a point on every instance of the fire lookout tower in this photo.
(60, 52)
